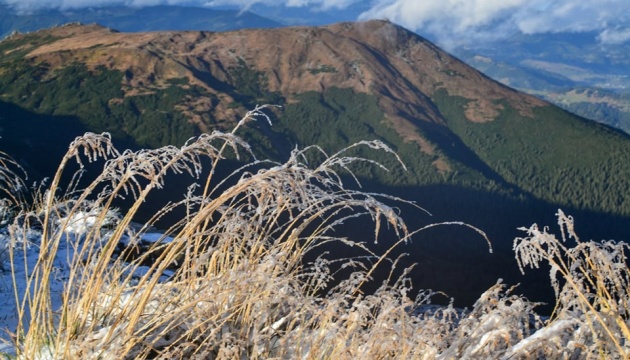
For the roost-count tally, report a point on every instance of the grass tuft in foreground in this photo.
(242, 275)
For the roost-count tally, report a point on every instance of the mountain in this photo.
(134, 19)
(575, 71)
(550, 66)
(475, 150)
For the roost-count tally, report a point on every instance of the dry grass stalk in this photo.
(591, 283)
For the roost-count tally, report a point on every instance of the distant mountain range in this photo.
(134, 19)
(575, 71)
(476, 150)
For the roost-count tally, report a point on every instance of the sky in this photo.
(449, 21)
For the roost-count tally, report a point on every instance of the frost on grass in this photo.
(231, 279)
(591, 283)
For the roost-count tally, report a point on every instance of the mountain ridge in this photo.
(132, 19)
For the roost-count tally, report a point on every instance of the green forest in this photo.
(584, 165)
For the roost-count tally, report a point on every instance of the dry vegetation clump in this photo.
(242, 275)
(591, 282)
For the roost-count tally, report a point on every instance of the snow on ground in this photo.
(24, 262)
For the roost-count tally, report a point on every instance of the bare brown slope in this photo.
(400, 68)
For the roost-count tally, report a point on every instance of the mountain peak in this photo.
(383, 30)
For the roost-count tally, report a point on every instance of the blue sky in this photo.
(451, 22)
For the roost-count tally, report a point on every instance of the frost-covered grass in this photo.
(242, 275)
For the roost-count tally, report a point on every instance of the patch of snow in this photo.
(155, 237)
(26, 250)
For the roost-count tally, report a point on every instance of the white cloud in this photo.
(31, 5)
(614, 36)
(319, 4)
(466, 20)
